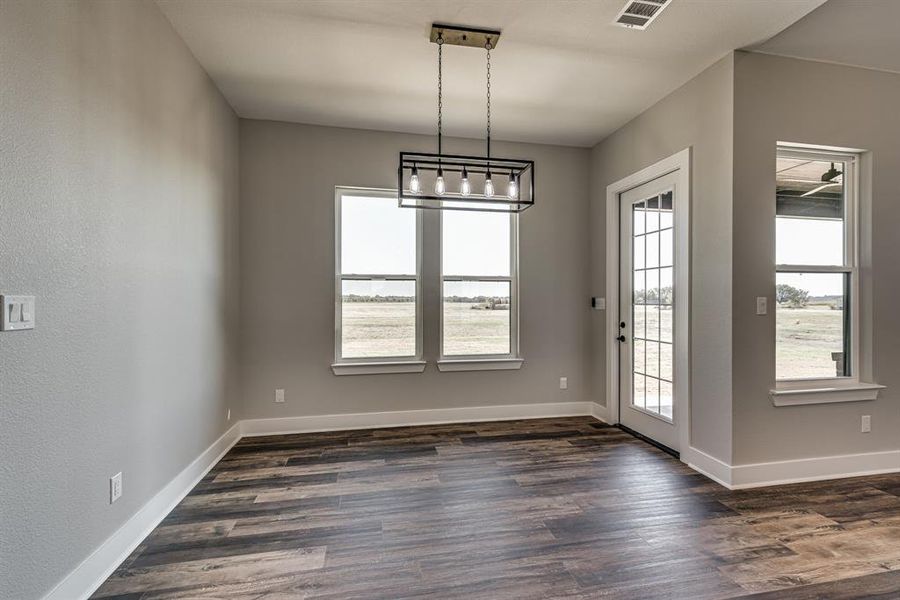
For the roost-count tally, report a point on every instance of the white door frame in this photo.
(680, 163)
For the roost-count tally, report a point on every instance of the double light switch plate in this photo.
(18, 313)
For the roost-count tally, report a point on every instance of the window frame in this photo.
(850, 266)
(380, 364)
(839, 388)
(469, 362)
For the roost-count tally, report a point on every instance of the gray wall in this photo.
(697, 115)
(784, 99)
(118, 204)
(288, 176)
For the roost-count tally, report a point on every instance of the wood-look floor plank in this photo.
(543, 508)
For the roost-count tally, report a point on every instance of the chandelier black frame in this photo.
(505, 184)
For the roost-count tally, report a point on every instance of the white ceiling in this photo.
(861, 33)
(562, 73)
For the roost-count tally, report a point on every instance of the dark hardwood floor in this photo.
(551, 508)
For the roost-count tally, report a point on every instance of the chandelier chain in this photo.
(488, 46)
(440, 43)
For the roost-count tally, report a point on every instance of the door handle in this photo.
(621, 338)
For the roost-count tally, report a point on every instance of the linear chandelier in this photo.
(457, 182)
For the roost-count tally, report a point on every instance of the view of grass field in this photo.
(469, 329)
(805, 339)
(388, 329)
(378, 329)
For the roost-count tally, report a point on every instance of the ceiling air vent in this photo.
(638, 14)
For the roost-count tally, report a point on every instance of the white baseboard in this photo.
(814, 469)
(820, 468)
(708, 465)
(84, 580)
(403, 418)
(599, 412)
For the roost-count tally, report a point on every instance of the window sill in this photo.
(840, 392)
(480, 364)
(377, 368)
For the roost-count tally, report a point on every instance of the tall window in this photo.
(377, 278)
(816, 272)
(479, 264)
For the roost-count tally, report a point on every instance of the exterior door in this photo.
(647, 311)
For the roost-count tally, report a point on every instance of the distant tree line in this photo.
(793, 297)
(478, 299)
(362, 298)
(464, 299)
(662, 295)
(789, 295)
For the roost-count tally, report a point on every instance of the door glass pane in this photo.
(666, 248)
(652, 359)
(639, 319)
(640, 356)
(652, 394)
(652, 214)
(378, 318)
(666, 216)
(809, 223)
(639, 390)
(665, 361)
(476, 317)
(639, 287)
(652, 258)
(638, 256)
(652, 322)
(665, 286)
(666, 399)
(651, 278)
(638, 226)
(811, 328)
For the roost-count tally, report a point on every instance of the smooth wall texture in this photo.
(697, 115)
(288, 176)
(118, 205)
(790, 100)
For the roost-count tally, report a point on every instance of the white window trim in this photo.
(852, 388)
(484, 362)
(381, 364)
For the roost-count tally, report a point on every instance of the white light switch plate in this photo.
(18, 313)
(761, 305)
(279, 395)
(115, 487)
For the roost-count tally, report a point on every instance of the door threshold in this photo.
(650, 441)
